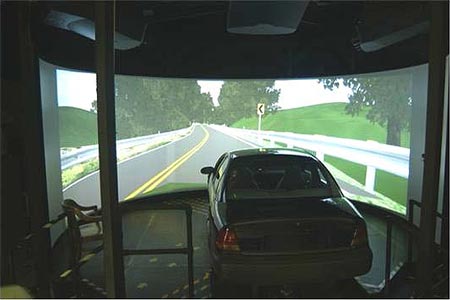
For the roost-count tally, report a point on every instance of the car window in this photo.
(216, 168)
(220, 161)
(278, 176)
(219, 169)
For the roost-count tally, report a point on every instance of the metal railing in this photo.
(374, 155)
(411, 228)
(74, 269)
(189, 251)
(392, 219)
(22, 243)
(85, 153)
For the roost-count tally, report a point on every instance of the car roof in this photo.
(269, 151)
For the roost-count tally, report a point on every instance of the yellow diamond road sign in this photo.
(260, 109)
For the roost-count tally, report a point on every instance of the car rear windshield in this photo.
(277, 176)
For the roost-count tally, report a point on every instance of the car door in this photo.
(215, 191)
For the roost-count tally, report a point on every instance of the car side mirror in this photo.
(207, 170)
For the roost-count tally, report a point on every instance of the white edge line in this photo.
(235, 137)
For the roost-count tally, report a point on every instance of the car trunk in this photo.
(285, 227)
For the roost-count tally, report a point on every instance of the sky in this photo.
(78, 89)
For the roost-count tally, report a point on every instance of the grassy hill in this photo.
(327, 119)
(77, 127)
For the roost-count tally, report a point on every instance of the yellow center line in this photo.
(161, 176)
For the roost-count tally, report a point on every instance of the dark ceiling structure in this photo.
(200, 39)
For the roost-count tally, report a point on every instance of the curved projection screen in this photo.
(168, 129)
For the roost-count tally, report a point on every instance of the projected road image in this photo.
(174, 167)
(357, 126)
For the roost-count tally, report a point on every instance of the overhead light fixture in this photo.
(372, 43)
(86, 28)
(265, 17)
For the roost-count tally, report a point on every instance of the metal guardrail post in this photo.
(387, 270)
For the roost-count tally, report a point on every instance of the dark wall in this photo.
(23, 199)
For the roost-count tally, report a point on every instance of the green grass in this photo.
(77, 127)
(72, 174)
(377, 199)
(390, 185)
(327, 119)
(355, 171)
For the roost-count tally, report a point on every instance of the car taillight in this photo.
(227, 240)
(360, 236)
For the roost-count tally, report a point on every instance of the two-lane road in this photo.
(177, 162)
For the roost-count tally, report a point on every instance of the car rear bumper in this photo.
(285, 269)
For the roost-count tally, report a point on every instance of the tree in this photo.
(94, 106)
(388, 99)
(238, 99)
(149, 105)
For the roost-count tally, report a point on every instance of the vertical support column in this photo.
(32, 144)
(260, 139)
(437, 53)
(445, 210)
(417, 141)
(410, 234)
(443, 182)
(112, 219)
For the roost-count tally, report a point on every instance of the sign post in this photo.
(260, 111)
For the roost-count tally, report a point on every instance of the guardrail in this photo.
(85, 153)
(374, 155)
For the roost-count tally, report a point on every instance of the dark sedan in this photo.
(277, 216)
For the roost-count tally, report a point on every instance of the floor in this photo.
(165, 276)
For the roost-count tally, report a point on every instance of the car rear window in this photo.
(277, 176)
